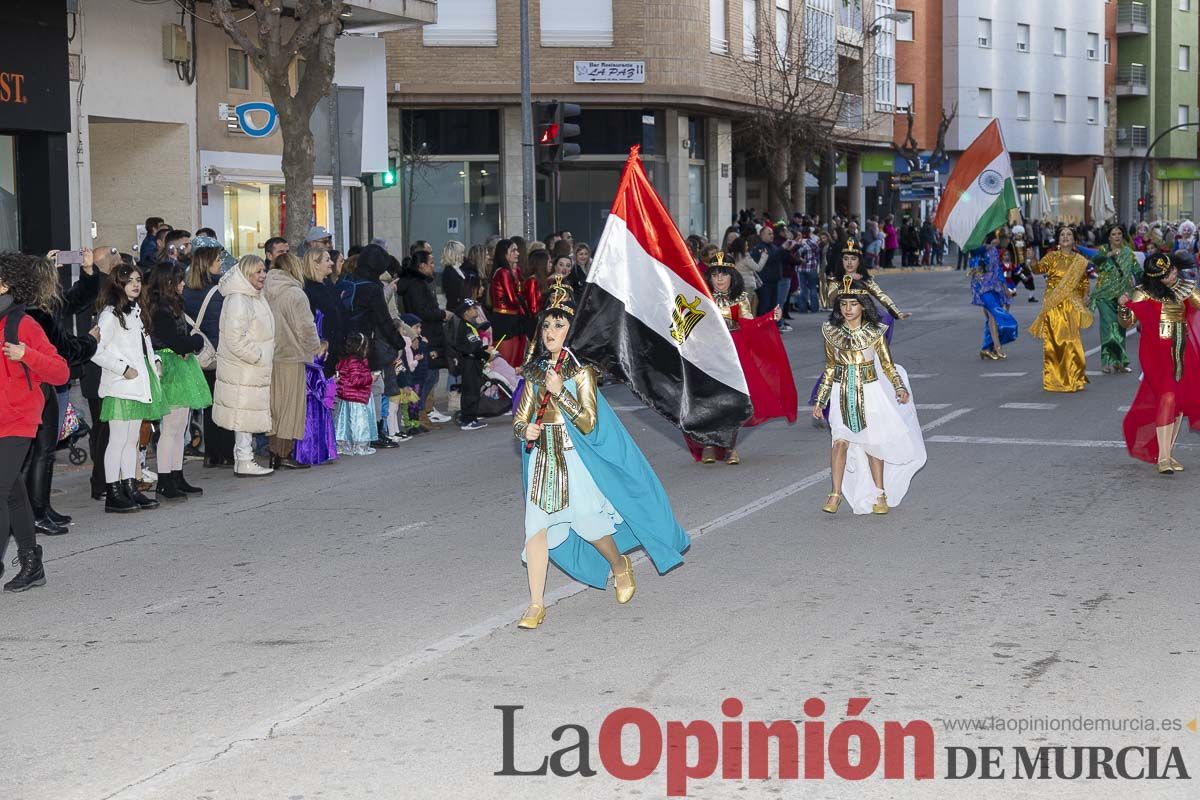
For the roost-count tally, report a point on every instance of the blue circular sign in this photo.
(243, 112)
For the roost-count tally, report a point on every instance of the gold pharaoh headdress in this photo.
(1158, 265)
(561, 297)
(849, 289)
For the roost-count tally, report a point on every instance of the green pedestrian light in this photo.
(388, 178)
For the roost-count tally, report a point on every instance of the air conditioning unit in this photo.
(1022, 47)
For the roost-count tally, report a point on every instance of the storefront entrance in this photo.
(254, 212)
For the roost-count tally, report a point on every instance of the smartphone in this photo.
(68, 257)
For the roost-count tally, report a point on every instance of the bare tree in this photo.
(313, 33)
(800, 102)
(910, 148)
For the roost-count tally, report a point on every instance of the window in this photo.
(985, 32)
(1060, 108)
(717, 34)
(904, 97)
(1093, 111)
(783, 24)
(820, 33)
(904, 28)
(463, 23)
(1185, 58)
(883, 59)
(1022, 105)
(566, 23)
(985, 102)
(1108, 51)
(1093, 48)
(750, 30)
(239, 70)
(1185, 5)
(1181, 117)
(1060, 41)
(1022, 38)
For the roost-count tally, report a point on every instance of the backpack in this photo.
(12, 322)
(347, 289)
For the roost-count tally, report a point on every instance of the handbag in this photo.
(208, 354)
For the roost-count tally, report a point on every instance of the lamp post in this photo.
(1145, 176)
(896, 16)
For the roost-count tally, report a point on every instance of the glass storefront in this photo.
(254, 212)
(10, 207)
(445, 200)
(1067, 198)
(1174, 199)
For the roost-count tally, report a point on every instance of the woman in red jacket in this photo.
(29, 361)
(510, 314)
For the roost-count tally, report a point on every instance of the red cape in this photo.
(1160, 398)
(768, 373)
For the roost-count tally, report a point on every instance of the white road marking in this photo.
(402, 528)
(1030, 406)
(1092, 372)
(921, 375)
(1040, 442)
(1003, 374)
(942, 420)
(265, 729)
(1122, 409)
(932, 406)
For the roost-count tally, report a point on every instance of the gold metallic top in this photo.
(1066, 283)
(725, 303)
(834, 289)
(579, 407)
(845, 346)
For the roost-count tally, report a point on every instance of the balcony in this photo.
(1133, 19)
(1132, 81)
(850, 25)
(1132, 142)
(850, 111)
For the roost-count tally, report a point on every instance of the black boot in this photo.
(182, 485)
(134, 495)
(166, 488)
(61, 519)
(31, 573)
(115, 501)
(48, 527)
(382, 441)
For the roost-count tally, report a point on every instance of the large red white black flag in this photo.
(648, 316)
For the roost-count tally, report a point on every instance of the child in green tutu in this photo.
(183, 384)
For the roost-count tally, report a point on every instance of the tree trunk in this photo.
(298, 162)
(799, 172)
(778, 186)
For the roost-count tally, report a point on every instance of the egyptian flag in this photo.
(647, 315)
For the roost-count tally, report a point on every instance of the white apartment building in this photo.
(1031, 64)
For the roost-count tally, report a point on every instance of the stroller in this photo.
(74, 428)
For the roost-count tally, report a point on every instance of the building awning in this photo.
(242, 175)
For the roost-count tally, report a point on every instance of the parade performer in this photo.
(760, 351)
(590, 494)
(990, 292)
(1117, 272)
(1017, 272)
(1167, 308)
(1064, 313)
(877, 442)
(853, 267)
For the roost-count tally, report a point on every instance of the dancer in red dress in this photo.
(1167, 309)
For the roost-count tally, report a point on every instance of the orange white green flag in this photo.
(980, 192)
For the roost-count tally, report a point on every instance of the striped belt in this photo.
(866, 373)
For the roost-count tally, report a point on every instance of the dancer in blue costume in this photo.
(590, 494)
(852, 265)
(989, 291)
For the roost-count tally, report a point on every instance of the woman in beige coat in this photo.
(296, 344)
(245, 350)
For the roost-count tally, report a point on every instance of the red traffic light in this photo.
(550, 134)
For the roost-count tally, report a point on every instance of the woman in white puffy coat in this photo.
(245, 349)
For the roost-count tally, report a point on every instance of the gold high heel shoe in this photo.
(532, 618)
(731, 458)
(1175, 465)
(881, 504)
(832, 503)
(1165, 467)
(625, 595)
(1000, 354)
(708, 455)
(985, 355)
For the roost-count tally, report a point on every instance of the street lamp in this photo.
(896, 16)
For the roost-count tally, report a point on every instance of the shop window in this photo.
(447, 200)
(239, 70)
(10, 207)
(613, 131)
(697, 205)
(458, 132)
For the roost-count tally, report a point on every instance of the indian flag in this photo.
(980, 192)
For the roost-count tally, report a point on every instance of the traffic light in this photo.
(551, 132)
(1141, 205)
(388, 178)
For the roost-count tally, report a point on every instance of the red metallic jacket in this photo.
(506, 295)
(533, 296)
(354, 380)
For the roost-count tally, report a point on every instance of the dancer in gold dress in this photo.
(1064, 314)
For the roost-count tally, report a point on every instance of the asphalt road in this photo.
(346, 632)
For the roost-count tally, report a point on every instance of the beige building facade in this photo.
(672, 76)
